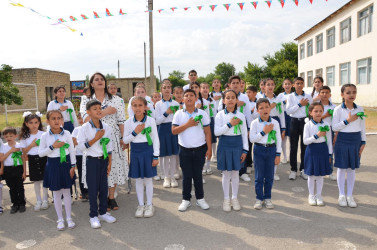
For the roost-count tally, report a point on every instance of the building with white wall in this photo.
(342, 49)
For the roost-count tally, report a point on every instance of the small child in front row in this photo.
(94, 139)
(265, 134)
(13, 169)
(156, 97)
(141, 132)
(30, 136)
(349, 122)
(194, 138)
(251, 92)
(59, 175)
(230, 126)
(318, 154)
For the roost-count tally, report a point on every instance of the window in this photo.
(365, 21)
(330, 76)
(310, 78)
(302, 51)
(331, 38)
(302, 75)
(345, 73)
(364, 70)
(318, 72)
(345, 31)
(319, 43)
(310, 47)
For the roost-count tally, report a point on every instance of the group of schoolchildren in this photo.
(187, 127)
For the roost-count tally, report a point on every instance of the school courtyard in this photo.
(293, 224)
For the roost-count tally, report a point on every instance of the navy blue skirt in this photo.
(317, 160)
(212, 126)
(56, 174)
(229, 153)
(346, 150)
(68, 126)
(287, 124)
(168, 141)
(141, 161)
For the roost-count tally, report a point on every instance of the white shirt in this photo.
(75, 134)
(9, 160)
(259, 95)
(284, 96)
(339, 121)
(161, 107)
(257, 135)
(205, 105)
(129, 134)
(212, 106)
(275, 112)
(24, 143)
(192, 137)
(213, 94)
(55, 105)
(223, 126)
(311, 129)
(149, 105)
(87, 133)
(246, 108)
(48, 138)
(187, 86)
(254, 111)
(326, 108)
(294, 108)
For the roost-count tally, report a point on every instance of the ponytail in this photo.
(313, 91)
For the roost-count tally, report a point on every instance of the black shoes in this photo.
(14, 209)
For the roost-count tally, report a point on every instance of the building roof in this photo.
(327, 18)
(20, 69)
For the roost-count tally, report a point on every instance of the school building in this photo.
(341, 48)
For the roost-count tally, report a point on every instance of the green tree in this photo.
(177, 73)
(253, 73)
(110, 76)
(224, 70)
(176, 78)
(87, 80)
(9, 94)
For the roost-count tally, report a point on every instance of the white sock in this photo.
(172, 165)
(284, 147)
(140, 191)
(351, 175)
(45, 193)
(67, 202)
(1, 194)
(37, 190)
(311, 182)
(341, 179)
(319, 182)
(226, 183)
(58, 203)
(214, 150)
(207, 165)
(166, 166)
(235, 183)
(149, 190)
(275, 168)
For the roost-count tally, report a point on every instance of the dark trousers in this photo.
(264, 164)
(83, 190)
(13, 179)
(96, 179)
(192, 162)
(249, 156)
(297, 130)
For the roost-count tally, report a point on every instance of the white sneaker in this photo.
(173, 183)
(236, 204)
(258, 204)
(60, 225)
(107, 217)
(292, 175)
(44, 205)
(166, 183)
(37, 206)
(184, 205)
(214, 159)
(248, 170)
(342, 201)
(177, 176)
(284, 161)
(319, 201)
(312, 201)
(71, 224)
(148, 211)
(204, 181)
(157, 178)
(204, 172)
(139, 212)
(202, 204)
(332, 177)
(209, 172)
(268, 204)
(351, 202)
(303, 175)
(245, 177)
(94, 223)
(226, 205)
(276, 177)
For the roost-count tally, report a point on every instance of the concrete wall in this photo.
(126, 85)
(358, 48)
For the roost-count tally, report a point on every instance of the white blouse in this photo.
(275, 111)
(311, 129)
(149, 105)
(161, 107)
(55, 105)
(24, 143)
(257, 135)
(246, 110)
(75, 134)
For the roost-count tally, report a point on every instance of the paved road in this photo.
(293, 224)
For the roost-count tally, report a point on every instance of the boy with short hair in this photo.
(94, 138)
(13, 170)
(251, 92)
(193, 76)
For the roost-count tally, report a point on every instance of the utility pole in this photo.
(145, 64)
(151, 58)
(118, 69)
(159, 71)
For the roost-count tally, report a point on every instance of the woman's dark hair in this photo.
(25, 131)
(262, 100)
(346, 86)
(86, 90)
(48, 115)
(92, 89)
(200, 95)
(57, 88)
(315, 78)
(312, 106)
(224, 94)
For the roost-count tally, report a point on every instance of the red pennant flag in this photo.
(84, 17)
(282, 2)
(212, 7)
(311, 1)
(96, 15)
(174, 8)
(254, 4)
(62, 20)
(268, 3)
(200, 7)
(227, 6)
(121, 12)
(159, 11)
(186, 8)
(108, 12)
(241, 5)
(73, 18)
(296, 2)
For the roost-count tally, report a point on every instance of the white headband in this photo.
(27, 113)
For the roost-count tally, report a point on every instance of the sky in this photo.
(183, 40)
